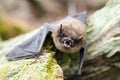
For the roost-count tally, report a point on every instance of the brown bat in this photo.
(69, 36)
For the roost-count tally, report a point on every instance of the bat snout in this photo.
(67, 42)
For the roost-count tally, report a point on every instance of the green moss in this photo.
(53, 70)
(44, 68)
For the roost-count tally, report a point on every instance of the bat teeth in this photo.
(67, 43)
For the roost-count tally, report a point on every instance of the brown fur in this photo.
(72, 28)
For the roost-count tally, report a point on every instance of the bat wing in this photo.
(82, 53)
(32, 47)
(81, 16)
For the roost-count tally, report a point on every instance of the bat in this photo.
(69, 36)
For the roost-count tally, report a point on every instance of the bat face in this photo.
(69, 35)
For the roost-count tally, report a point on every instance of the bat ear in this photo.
(81, 16)
(61, 30)
(79, 39)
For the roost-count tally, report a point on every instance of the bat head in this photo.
(69, 35)
(66, 41)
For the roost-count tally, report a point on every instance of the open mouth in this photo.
(66, 42)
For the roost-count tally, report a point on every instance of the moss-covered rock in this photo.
(43, 68)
